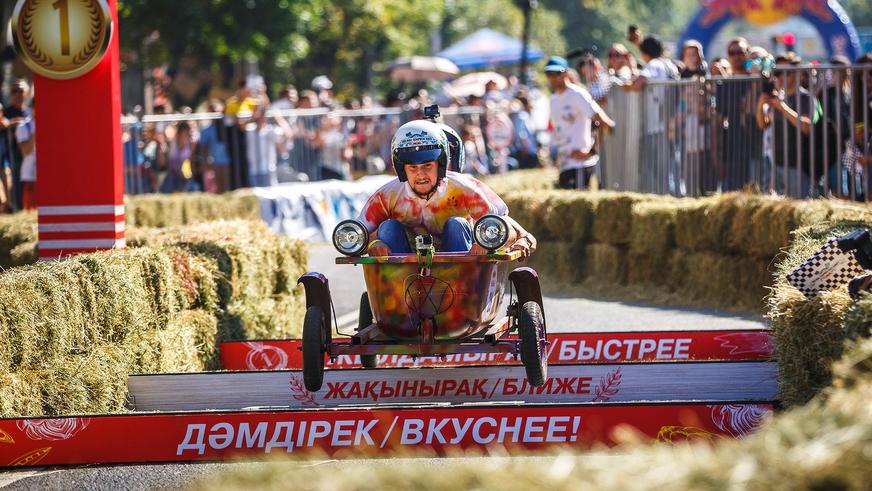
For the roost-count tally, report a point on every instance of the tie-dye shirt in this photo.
(457, 195)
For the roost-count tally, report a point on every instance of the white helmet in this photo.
(417, 142)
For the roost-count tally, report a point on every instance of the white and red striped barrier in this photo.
(344, 432)
(65, 230)
(566, 384)
(602, 347)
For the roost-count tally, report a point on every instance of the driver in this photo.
(429, 198)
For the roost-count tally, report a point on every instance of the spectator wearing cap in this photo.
(324, 88)
(573, 112)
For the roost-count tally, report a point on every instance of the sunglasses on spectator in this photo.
(614, 54)
(736, 53)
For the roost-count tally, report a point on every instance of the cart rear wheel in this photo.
(534, 352)
(314, 346)
(363, 321)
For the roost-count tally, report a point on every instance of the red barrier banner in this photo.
(565, 348)
(357, 432)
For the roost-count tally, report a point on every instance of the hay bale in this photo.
(720, 281)
(529, 209)
(605, 264)
(808, 334)
(268, 318)
(46, 311)
(763, 227)
(15, 230)
(644, 269)
(569, 216)
(613, 221)
(522, 180)
(855, 366)
(19, 395)
(690, 225)
(148, 309)
(161, 210)
(653, 228)
(558, 263)
(858, 318)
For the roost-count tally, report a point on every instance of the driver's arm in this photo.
(519, 238)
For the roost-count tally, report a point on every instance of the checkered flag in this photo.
(829, 268)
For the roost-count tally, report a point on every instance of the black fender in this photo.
(318, 293)
(526, 283)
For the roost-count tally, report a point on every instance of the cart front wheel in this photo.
(534, 352)
(314, 348)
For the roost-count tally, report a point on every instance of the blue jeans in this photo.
(456, 236)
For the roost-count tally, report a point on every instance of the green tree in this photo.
(295, 40)
(600, 23)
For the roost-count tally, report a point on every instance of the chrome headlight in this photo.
(350, 237)
(491, 232)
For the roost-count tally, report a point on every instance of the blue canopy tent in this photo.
(485, 48)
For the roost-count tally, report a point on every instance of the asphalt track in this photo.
(564, 314)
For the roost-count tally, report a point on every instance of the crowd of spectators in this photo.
(250, 140)
(743, 119)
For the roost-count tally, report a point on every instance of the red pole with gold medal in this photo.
(72, 48)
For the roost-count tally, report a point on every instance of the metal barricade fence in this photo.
(699, 136)
(262, 150)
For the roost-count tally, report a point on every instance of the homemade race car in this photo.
(430, 304)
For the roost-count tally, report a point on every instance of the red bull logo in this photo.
(763, 12)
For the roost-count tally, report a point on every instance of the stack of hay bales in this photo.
(713, 252)
(73, 330)
(810, 333)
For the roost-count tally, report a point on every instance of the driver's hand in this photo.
(525, 245)
(379, 248)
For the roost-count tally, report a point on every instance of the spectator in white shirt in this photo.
(573, 112)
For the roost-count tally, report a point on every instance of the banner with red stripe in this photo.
(565, 348)
(211, 436)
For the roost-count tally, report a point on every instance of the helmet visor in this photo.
(423, 154)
